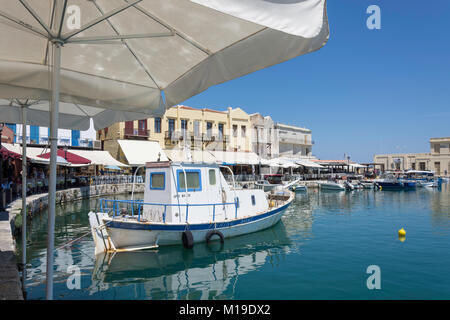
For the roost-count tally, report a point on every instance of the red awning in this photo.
(69, 156)
(5, 154)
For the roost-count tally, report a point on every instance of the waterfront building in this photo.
(38, 136)
(264, 136)
(437, 160)
(183, 127)
(294, 142)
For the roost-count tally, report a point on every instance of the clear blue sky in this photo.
(366, 91)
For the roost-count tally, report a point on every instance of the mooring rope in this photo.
(72, 241)
(84, 235)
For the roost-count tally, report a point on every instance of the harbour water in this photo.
(321, 249)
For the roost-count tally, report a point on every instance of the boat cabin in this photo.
(195, 193)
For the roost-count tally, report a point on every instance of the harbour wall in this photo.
(10, 284)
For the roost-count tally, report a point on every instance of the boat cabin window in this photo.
(157, 180)
(253, 200)
(212, 177)
(193, 178)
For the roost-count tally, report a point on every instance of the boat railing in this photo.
(135, 207)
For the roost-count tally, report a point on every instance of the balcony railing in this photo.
(178, 135)
(133, 132)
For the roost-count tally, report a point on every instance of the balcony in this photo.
(196, 136)
(135, 133)
(208, 137)
(174, 135)
(87, 143)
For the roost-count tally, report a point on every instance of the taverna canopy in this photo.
(68, 156)
(60, 161)
(97, 157)
(139, 152)
(6, 153)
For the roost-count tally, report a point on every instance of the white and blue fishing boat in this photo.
(184, 203)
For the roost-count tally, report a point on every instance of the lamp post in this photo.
(1, 170)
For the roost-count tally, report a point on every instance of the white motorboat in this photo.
(270, 182)
(298, 188)
(428, 184)
(184, 203)
(330, 185)
(366, 185)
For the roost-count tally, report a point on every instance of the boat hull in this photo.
(367, 185)
(330, 186)
(126, 235)
(397, 185)
(299, 189)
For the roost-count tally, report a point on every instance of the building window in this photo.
(220, 130)
(235, 130)
(437, 168)
(422, 166)
(193, 178)
(243, 129)
(212, 177)
(158, 125)
(171, 125)
(196, 128)
(184, 124)
(157, 180)
(209, 128)
(437, 148)
(142, 124)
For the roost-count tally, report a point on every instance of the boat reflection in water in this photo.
(208, 271)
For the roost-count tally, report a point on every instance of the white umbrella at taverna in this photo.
(124, 55)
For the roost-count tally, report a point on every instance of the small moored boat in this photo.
(367, 184)
(298, 188)
(332, 186)
(184, 203)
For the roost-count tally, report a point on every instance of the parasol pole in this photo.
(24, 195)
(54, 115)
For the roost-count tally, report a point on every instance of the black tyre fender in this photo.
(212, 233)
(188, 239)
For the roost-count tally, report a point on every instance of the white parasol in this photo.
(125, 55)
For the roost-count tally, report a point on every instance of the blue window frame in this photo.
(163, 174)
(158, 125)
(34, 134)
(75, 138)
(192, 185)
(171, 125)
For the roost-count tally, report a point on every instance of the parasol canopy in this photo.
(122, 55)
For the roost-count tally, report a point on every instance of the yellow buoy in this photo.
(401, 232)
(402, 238)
